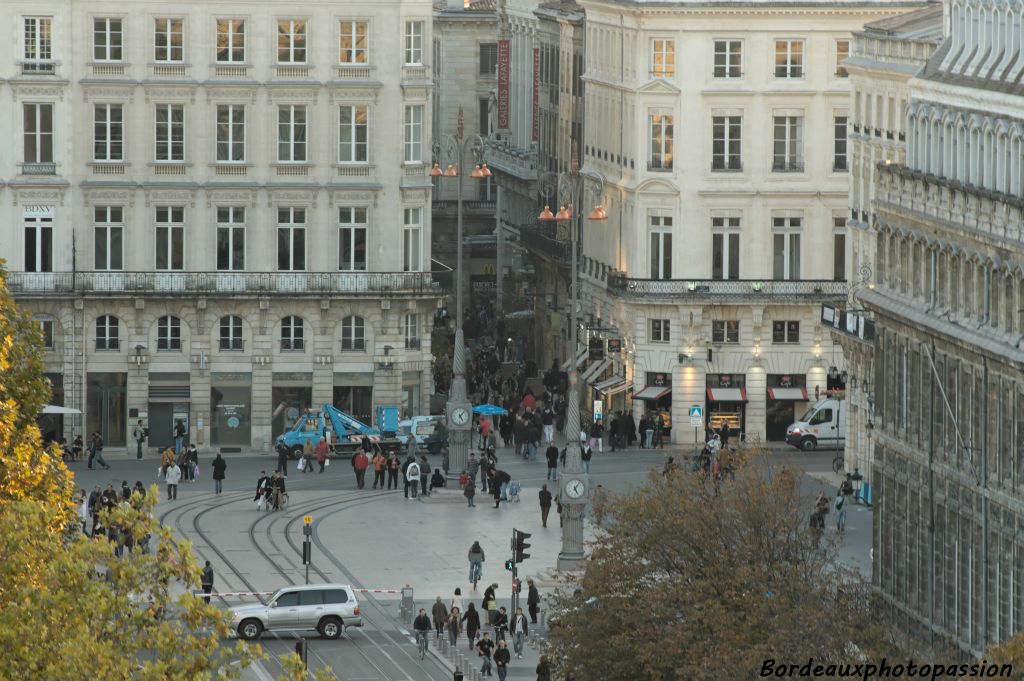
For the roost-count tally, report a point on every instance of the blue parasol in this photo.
(489, 410)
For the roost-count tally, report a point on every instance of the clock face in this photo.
(574, 489)
(460, 416)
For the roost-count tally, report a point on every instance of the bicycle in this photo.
(421, 643)
(837, 463)
(476, 572)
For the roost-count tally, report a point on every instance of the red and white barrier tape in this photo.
(271, 593)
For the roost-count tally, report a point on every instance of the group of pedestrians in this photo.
(91, 507)
(487, 630)
(840, 504)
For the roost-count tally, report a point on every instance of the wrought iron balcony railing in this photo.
(807, 289)
(224, 283)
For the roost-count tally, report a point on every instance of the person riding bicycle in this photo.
(422, 626)
(476, 562)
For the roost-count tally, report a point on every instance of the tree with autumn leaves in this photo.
(698, 581)
(69, 609)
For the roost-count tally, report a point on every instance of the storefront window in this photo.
(787, 395)
(356, 400)
(288, 402)
(106, 409)
(231, 409)
(410, 394)
(727, 401)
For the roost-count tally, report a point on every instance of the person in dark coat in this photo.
(282, 459)
(262, 485)
(532, 600)
(544, 669)
(472, 621)
(499, 479)
(552, 456)
(440, 614)
(545, 505)
(219, 466)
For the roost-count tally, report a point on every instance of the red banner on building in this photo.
(536, 88)
(504, 64)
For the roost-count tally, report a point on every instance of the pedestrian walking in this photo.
(473, 466)
(171, 477)
(499, 484)
(545, 505)
(457, 600)
(179, 437)
(206, 580)
(393, 466)
(439, 613)
(483, 648)
(424, 475)
(500, 624)
(96, 451)
(543, 669)
(490, 604)
(840, 507)
(139, 435)
(219, 465)
(586, 455)
(166, 459)
(519, 630)
(282, 458)
(532, 600)
(597, 436)
(501, 659)
(380, 464)
(359, 465)
(262, 485)
(412, 477)
(551, 454)
(321, 452)
(469, 491)
(183, 464)
(472, 620)
(308, 454)
(454, 625)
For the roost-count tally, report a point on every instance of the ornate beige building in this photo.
(219, 212)
(948, 307)
(722, 130)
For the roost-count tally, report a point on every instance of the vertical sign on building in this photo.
(504, 59)
(536, 88)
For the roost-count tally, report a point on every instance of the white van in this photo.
(824, 424)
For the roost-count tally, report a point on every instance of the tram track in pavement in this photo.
(288, 572)
(403, 647)
(238, 579)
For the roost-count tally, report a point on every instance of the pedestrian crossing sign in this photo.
(697, 416)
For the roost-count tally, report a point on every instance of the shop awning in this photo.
(579, 359)
(607, 383)
(727, 395)
(791, 394)
(622, 386)
(595, 370)
(652, 392)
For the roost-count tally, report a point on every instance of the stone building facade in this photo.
(714, 263)
(949, 348)
(885, 56)
(220, 213)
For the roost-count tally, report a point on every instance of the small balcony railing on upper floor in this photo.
(221, 283)
(724, 289)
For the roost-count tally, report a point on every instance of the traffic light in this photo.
(519, 552)
(510, 565)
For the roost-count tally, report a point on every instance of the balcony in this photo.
(520, 163)
(541, 241)
(470, 207)
(43, 168)
(38, 68)
(910, 192)
(721, 290)
(221, 283)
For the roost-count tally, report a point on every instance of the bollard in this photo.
(543, 615)
(301, 648)
(458, 676)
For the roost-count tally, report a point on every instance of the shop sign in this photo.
(614, 345)
(785, 381)
(596, 347)
(504, 74)
(660, 380)
(725, 380)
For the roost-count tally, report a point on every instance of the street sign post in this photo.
(696, 420)
(307, 548)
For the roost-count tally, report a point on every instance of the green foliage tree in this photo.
(69, 608)
(691, 580)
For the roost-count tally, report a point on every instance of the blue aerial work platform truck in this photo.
(343, 431)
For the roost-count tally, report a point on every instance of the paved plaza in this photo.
(379, 540)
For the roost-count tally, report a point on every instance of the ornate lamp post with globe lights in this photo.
(452, 150)
(573, 483)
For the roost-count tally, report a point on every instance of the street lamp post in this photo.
(573, 482)
(452, 149)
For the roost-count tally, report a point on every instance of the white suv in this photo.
(327, 608)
